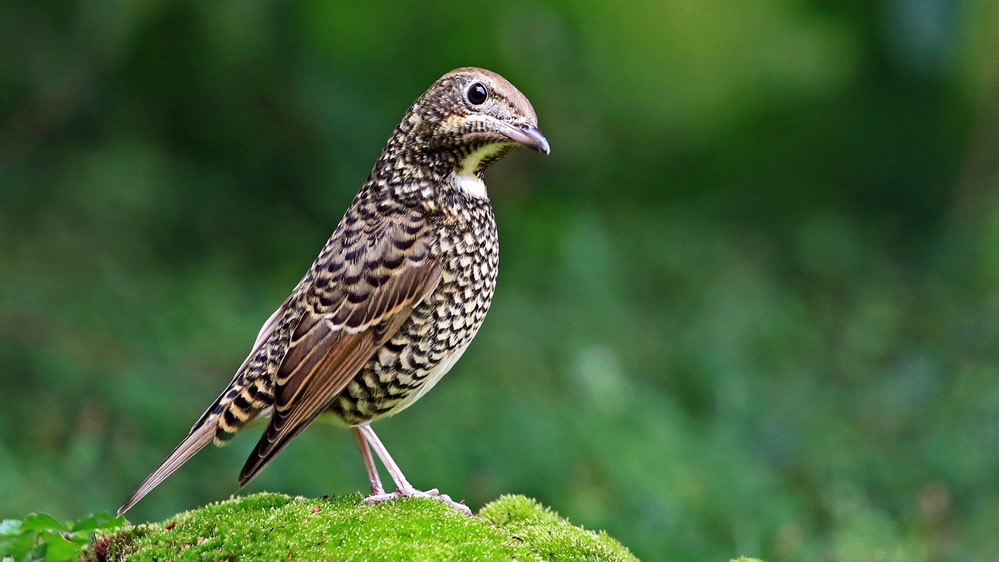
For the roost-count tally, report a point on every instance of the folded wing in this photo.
(371, 279)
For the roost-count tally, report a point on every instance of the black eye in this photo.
(476, 94)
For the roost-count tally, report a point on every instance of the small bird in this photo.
(396, 294)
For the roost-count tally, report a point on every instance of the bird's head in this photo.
(474, 116)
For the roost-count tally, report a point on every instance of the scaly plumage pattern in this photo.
(396, 294)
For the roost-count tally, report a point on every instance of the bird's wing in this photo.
(365, 285)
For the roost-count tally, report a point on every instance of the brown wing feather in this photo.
(321, 339)
(348, 318)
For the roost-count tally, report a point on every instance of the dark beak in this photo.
(529, 136)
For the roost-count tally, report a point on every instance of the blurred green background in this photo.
(750, 304)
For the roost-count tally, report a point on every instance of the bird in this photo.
(396, 294)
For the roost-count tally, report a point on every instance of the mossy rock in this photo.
(278, 527)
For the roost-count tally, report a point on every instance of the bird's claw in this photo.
(432, 494)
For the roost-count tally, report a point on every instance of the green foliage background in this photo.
(750, 304)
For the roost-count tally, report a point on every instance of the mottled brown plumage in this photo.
(396, 294)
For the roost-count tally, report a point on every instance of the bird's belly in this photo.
(406, 367)
(431, 379)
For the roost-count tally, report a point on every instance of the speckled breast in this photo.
(439, 329)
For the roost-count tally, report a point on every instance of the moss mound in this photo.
(275, 526)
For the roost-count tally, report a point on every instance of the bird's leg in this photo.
(404, 488)
(369, 463)
(403, 485)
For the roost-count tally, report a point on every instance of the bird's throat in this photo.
(467, 175)
(469, 184)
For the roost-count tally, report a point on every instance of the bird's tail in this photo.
(250, 392)
(194, 442)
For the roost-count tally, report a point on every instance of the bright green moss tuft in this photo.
(551, 536)
(274, 526)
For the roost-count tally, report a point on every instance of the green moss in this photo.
(550, 536)
(274, 526)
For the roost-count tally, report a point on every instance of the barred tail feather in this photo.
(195, 441)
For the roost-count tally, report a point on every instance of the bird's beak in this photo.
(529, 136)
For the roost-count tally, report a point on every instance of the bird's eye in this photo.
(476, 94)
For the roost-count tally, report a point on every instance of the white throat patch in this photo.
(470, 185)
(464, 178)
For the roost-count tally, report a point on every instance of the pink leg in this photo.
(404, 488)
(369, 463)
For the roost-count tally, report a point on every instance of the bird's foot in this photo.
(414, 493)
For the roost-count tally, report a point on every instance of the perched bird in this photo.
(396, 294)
